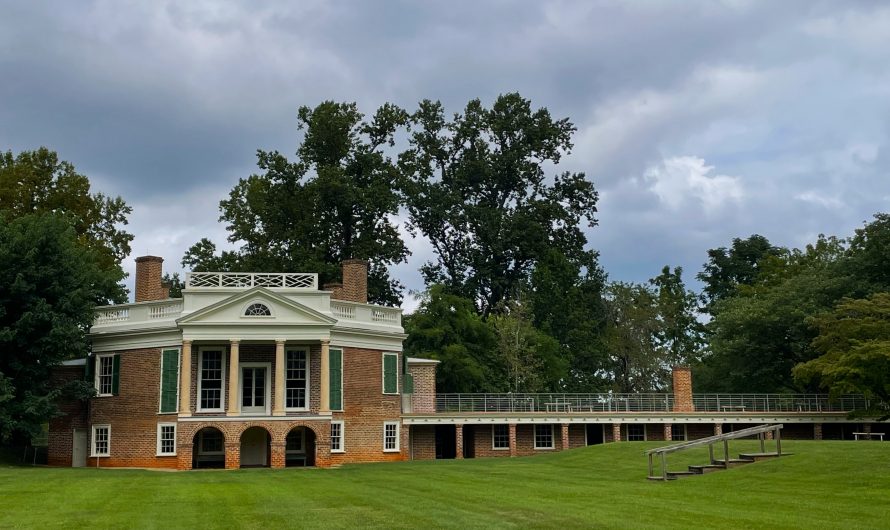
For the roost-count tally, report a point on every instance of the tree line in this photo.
(514, 299)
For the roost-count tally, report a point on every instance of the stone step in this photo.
(734, 462)
(761, 456)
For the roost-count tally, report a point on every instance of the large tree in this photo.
(336, 201)
(729, 268)
(49, 284)
(35, 182)
(854, 340)
(476, 187)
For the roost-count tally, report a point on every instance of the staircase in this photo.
(716, 464)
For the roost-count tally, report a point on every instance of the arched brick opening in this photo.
(209, 448)
(299, 447)
(255, 447)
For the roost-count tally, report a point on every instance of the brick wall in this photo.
(577, 435)
(148, 279)
(682, 379)
(133, 414)
(483, 442)
(424, 398)
(366, 408)
(423, 442)
(355, 280)
(74, 416)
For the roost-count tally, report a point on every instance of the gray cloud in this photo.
(166, 103)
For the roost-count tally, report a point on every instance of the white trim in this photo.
(493, 448)
(93, 428)
(342, 425)
(321, 416)
(383, 373)
(96, 374)
(552, 437)
(342, 365)
(222, 395)
(398, 435)
(178, 378)
(268, 387)
(308, 351)
(159, 451)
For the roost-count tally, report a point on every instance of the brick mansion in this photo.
(274, 370)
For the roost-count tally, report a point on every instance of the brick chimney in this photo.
(148, 279)
(682, 376)
(355, 281)
(336, 289)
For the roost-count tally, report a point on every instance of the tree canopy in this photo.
(335, 201)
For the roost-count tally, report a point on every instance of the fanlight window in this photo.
(257, 310)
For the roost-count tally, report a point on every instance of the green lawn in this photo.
(824, 484)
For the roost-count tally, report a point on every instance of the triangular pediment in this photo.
(282, 311)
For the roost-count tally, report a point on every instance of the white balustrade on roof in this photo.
(247, 280)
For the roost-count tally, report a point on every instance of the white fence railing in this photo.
(240, 280)
(167, 309)
(366, 313)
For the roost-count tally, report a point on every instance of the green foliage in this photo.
(650, 328)
(529, 359)
(334, 202)
(729, 268)
(854, 340)
(174, 284)
(49, 284)
(37, 182)
(476, 188)
(446, 327)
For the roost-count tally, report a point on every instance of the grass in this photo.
(824, 485)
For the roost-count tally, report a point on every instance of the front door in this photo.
(79, 449)
(253, 390)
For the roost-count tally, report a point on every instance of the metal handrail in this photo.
(741, 433)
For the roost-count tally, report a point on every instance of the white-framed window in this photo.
(678, 431)
(391, 437)
(337, 445)
(211, 379)
(104, 375)
(296, 379)
(500, 436)
(166, 439)
(636, 432)
(255, 389)
(257, 309)
(543, 436)
(101, 441)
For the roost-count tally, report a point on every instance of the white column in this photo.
(185, 380)
(278, 406)
(325, 383)
(234, 379)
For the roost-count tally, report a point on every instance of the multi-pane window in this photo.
(500, 436)
(336, 436)
(294, 441)
(211, 441)
(296, 379)
(211, 379)
(678, 431)
(104, 374)
(544, 436)
(166, 439)
(636, 432)
(391, 436)
(101, 440)
(257, 310)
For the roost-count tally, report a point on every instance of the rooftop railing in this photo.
(610, 402)
(246, 280)
(166, 309)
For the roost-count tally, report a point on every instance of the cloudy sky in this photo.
(697, 122)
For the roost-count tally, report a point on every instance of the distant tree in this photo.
(854, 340)
(336, 201)
(530, 359)
(680, 333)
(36, 182)
(728, 268)
(49, 284)
(446, 327)
(635, 362)
(476, 187)
(174, 284)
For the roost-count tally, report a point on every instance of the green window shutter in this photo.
(116, 375)
(88, 370)
(408, 384)
(336, 382)
(390, 373)
(169, 380)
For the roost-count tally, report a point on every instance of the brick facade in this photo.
(73, 416)
(423, 400)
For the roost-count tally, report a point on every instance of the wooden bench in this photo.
(737, 408)
(868, 435)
